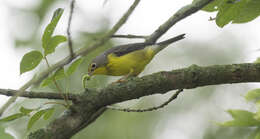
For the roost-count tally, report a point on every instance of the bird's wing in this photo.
(128, 48)
(125, 49)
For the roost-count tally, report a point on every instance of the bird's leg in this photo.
(125, 77)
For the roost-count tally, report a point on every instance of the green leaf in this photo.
(35, 118)
(25, 111)
(241, 118)
(59, 74)
(240, 114)
(30, 61)
(228, 10)
(235, 11)
(248, 12)
(46, 81)
(48, 113)
(72, 68)
(53, 43)
(46, 38)
(12, 117)
(49, 43)
(253, 95)
(213, 6)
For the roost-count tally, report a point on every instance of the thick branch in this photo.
(191, 77)
(161, 82)
(158, 83)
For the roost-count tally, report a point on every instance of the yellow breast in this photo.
(133, 62)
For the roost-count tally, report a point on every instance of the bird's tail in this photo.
(164, 44)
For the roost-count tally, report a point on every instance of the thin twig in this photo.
(129, 36)
(56, 84)
(114, 29)
(174, 96)
(212, 18)
(72, 5)
(123, 19)
(41, 95)
(176, 17)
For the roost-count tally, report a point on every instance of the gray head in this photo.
(97, 62)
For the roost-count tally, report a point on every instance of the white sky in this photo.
(147, 17)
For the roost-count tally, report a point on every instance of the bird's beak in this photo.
(90, 75)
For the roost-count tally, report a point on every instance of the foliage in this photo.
(32, 59)
(45, 113)
(235, 11)
(49, 43)
(242, 118)
(72, 68)
(34, 114)
(60, 74)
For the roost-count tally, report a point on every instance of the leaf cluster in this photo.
(234, 11)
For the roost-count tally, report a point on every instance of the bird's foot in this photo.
(121, 80)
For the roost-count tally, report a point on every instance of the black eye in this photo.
(93, 65)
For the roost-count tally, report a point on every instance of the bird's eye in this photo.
(93, 65)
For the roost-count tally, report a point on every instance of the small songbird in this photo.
(127, 60)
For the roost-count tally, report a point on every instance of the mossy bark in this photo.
(90, 104)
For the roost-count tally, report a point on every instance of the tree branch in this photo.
(187, 78)
(42, 95)
(176, 17)
(108, 35)
(160, 83)
(194, 76)
(174, 96)
(129, 36)
(72, 5)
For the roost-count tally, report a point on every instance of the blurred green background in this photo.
(193, 115)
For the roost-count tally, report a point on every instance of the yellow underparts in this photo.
(132, 63)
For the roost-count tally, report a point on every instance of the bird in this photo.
(128, 59)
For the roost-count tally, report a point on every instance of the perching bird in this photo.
(127, 60)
